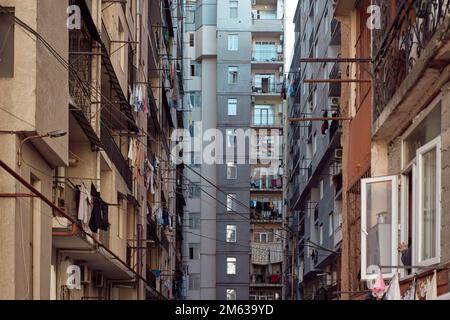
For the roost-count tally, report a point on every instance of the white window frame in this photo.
(231, 260)
(234, 5)
(231, 292)
(233, 42)
(232, 103)
(231, 202)
(394, 225)
(417, 221)
(231, 168)
(231, 71)
(231, 228)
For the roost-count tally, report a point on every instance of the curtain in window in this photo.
(429, 205)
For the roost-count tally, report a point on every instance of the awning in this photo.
(85, 125)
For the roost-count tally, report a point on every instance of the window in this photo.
(265, 51)
(231, 266)
(330, 224)
(7, 43)
(232, 107)
(264, 115)
(234, 9)
(231, 138)
(263, 237)
(194, 220)
(231, 202)
(379, 215)
(194, 251)
(195, 99)
(428, 213)
(231, 294)
(195, 69)
(194, 281)
(321, 234)
(231, 171)
(231, 233)
(194, 190)
(232, 75)
(191, 40)
(233, 42)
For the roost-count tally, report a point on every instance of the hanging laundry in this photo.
(131, 149)
(135, 98)
(140, 99)
(85, 204)
(325, 124)
(379, 288)
(146, 104)
(393, 291)
(432, 287)
(410, 294)
(99, 215)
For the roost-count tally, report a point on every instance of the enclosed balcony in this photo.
(267, 16)
(266, 116)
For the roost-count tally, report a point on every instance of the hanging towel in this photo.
(84, 205)
(131, 149)
(393, 291)
(432, 288)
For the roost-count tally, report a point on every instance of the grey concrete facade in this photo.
(208, 29)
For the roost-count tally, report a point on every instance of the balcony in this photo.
(267, 183)
(267, 57)
(335, 88)
(266, 21)
(265, 280)
(266, 121)
(266, 211)
(412, 46)
(115, 155)
(266, 89)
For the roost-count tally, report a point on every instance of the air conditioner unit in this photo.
(253, 99)
(281, 38)
(99, 280)
(338, 153)
(280, 108)
(280, 69)
(85, 274)
(279, 49)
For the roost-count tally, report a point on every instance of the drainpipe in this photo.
(70, 233)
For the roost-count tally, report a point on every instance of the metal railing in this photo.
(114, 153)
(267, 56)
(400, 43)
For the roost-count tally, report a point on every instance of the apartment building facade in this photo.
(314, 156)
(234, 84)
(91, 194)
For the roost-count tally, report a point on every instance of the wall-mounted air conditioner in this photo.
(338, 153)
(335, 103)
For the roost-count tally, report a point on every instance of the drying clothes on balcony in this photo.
(165, 218)
(137, 98)
(99, 215)
(149, 176)
(84, 203)
(393, 291)
(275, 252)
(325, 124)
(283, 93)
(260, 254)
(138, 161)
(131, 149)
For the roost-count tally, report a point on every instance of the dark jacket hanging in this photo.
(99, 216)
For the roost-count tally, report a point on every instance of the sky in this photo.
(291, 5)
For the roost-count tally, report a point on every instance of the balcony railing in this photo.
(267, 182)
(272, 88)
(401, 42)
(266, 279)
(267, 56)
(114, 153)
(266, 120)
(265, 211)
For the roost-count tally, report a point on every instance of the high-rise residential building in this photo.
(89, 203)
(314, 155)
(234, 51)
